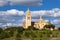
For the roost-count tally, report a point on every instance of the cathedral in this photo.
(39, 24)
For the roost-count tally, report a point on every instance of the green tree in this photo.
(1, 30)
(20, 29)
(3, 34)
(58, 28)
(49, 26)
(32, 28)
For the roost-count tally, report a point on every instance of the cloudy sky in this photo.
(12, 12)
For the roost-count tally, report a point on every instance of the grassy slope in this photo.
(37, 35)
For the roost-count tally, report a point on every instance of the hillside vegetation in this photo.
(19, 33)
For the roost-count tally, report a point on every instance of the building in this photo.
(27, 22)
(39, 24)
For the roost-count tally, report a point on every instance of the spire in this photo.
(28, 10)
(41, 18)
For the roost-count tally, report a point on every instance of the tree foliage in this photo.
(19, 33)
(49, 26)
(32, 28)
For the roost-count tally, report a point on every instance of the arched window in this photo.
(28, 18)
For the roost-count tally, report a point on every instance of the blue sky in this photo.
(45, 5)
(12, 12)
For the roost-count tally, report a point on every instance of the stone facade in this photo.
(27, 22)
(39, 24)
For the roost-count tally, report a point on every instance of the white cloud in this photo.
(20, 2)
(10, 16)
(56, 22)
(3, 2)
(8, 24)
(17, 17)
(52, 13)
(26, 2)
(34, 20)
(12, 12)
(15, 12)
(46, 20)
(14, 24)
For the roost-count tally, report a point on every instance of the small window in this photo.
(28, 17)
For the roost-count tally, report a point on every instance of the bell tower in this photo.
(28, 19)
